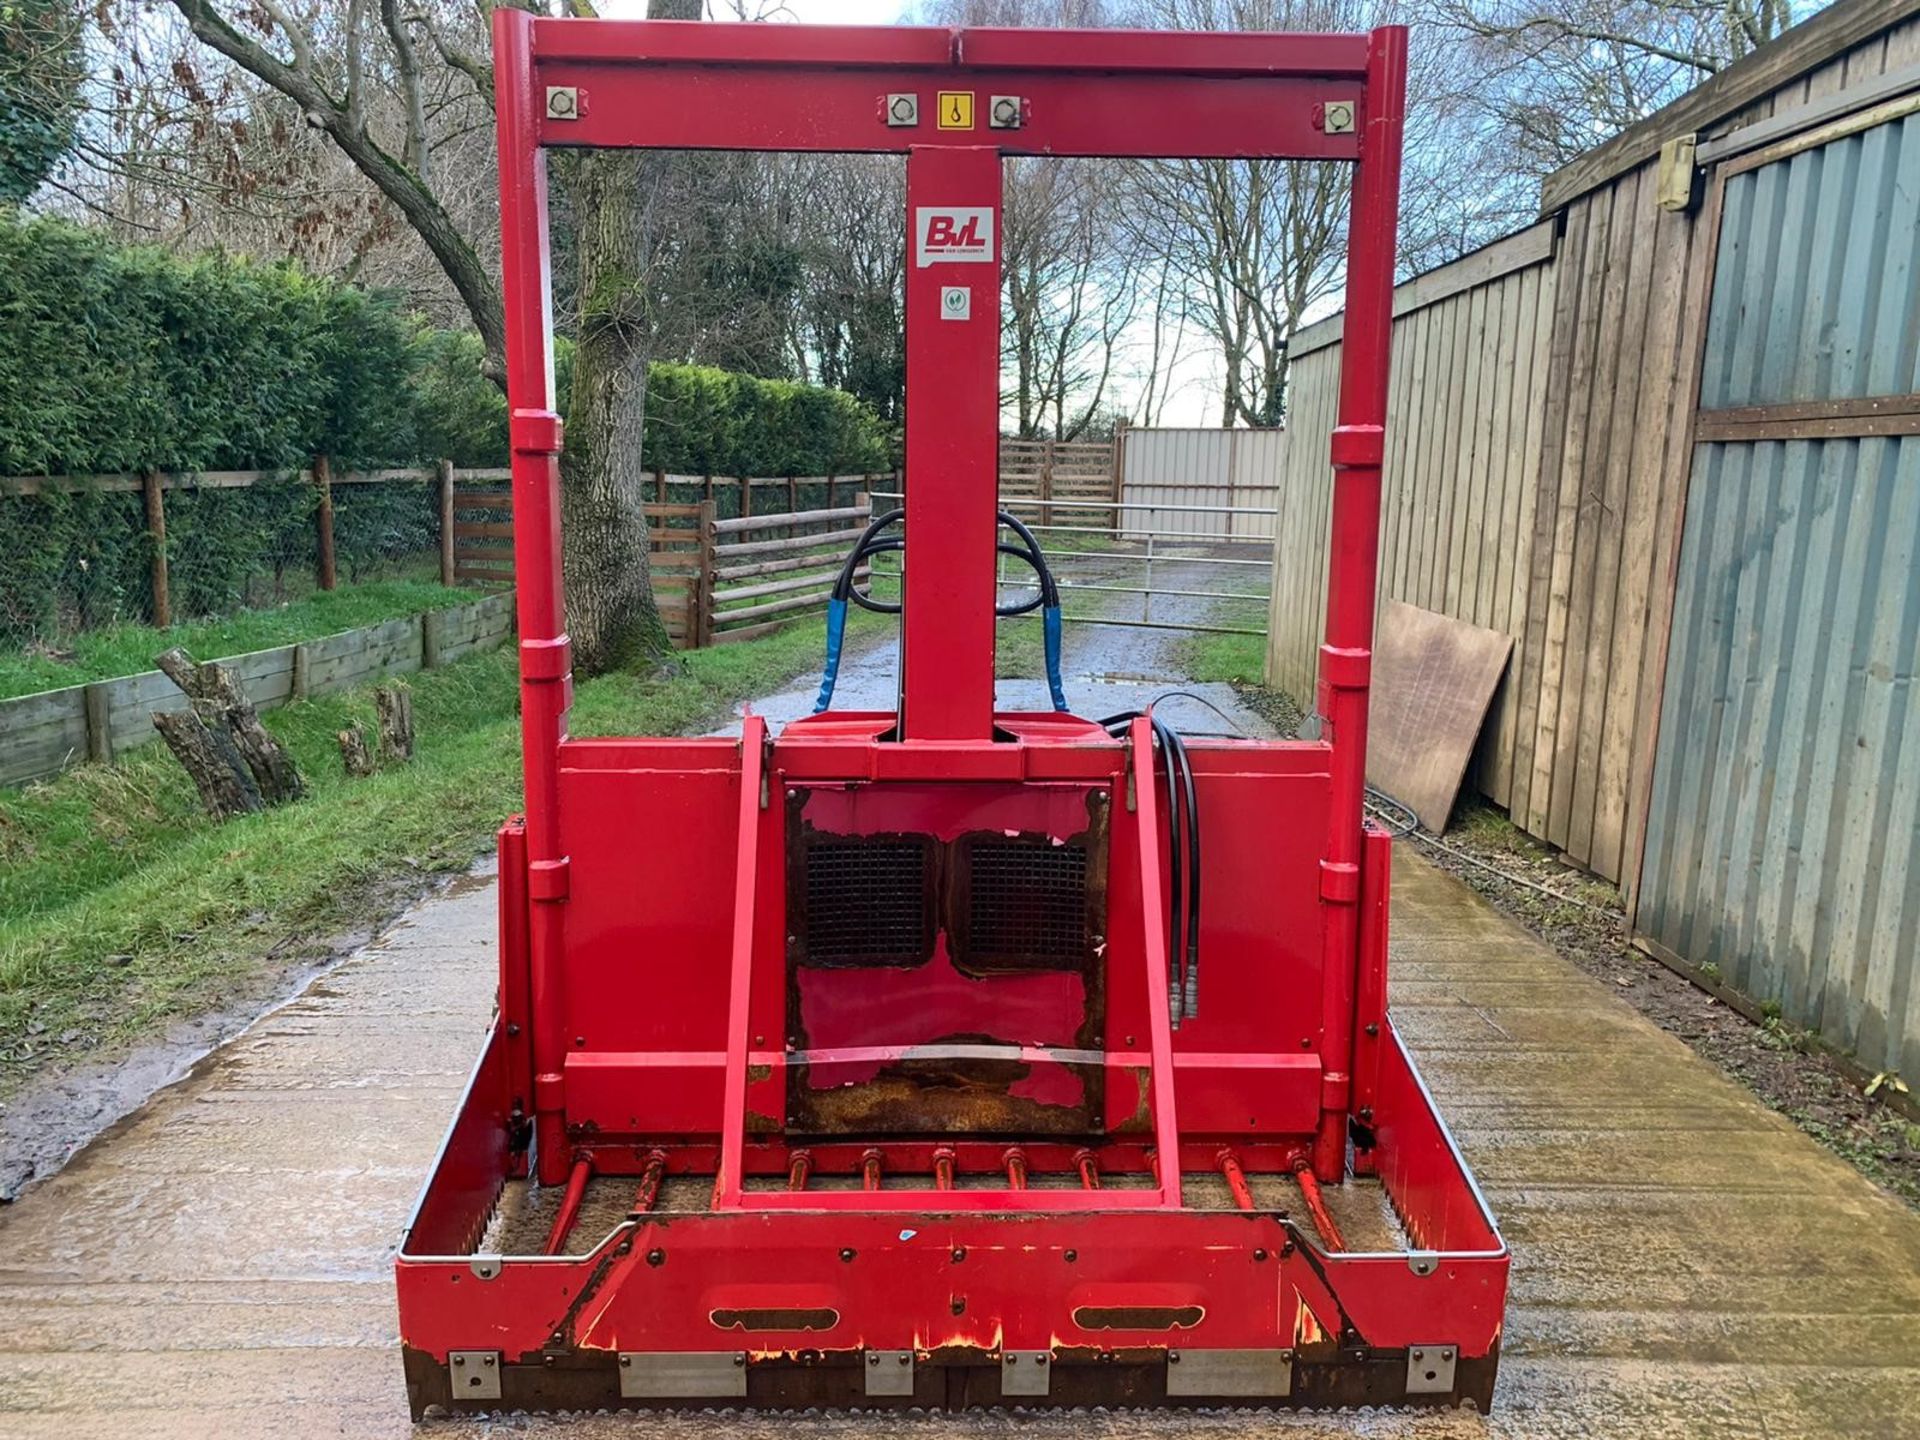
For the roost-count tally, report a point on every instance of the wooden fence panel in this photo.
(1457, 498)
(759, 584)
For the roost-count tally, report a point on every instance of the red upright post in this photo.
(1352, 571)
(953, 445)
(545, 663)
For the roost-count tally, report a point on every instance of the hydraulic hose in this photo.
(1183, 851)
(845, 591)
(872, 542)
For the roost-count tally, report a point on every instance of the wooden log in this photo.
(355, 753)
(156, 499)
(393, 704)
(791, 517)
(772, 607)
(813, 580)
(786, 545)
(201, 742)
(221, 703)
(323, 520)
(433, 629)
(755, 569)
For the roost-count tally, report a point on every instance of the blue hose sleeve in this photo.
(830, 671)
(1050, 621)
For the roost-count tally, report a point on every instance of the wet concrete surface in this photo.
(1685, 1262)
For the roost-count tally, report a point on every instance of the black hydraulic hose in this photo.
(846, 590)
(1183, 848)
(866, 546)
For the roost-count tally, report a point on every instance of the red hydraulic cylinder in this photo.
(953, 441)
(1353, 568)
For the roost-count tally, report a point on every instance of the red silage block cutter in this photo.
(889, 1034)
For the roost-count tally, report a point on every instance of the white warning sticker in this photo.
(952, 233)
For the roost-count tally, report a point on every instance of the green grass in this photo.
(122, 907)
(1234, 659)
(125, 649)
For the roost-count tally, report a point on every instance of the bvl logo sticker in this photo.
(953, 233)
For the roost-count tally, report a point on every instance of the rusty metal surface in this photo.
(1686, 1264)
(1324, 1377)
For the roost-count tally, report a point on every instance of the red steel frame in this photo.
(1346, 1323)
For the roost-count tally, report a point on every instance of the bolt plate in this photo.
(563, 102)
(1338, 116)
(475, 1374)
(1230, 1373)
(676, 1375)
(889, 1372)
(1430, 1369)
(1026, 1372)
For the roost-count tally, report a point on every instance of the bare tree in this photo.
(850, 325)
(379, 81)
(1070, 291)
(1554, 79)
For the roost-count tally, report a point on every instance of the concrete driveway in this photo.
(1686, 1263)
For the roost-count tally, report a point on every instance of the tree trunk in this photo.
(611, 615)
(393, 704)
(221, 705)
(202, 744)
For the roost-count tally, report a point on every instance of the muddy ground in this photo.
(1583, 919)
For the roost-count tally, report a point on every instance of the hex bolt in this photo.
(872, 1358)
(459, 1362)
(656, 1257)
(906, 1359)
(1259, 1254)
(739, 1357)
(1173, 1357)
(1072, 1255)
(1039, 1359)
(1372, 1028)
(959, 1253)
(1013, 1359)
(847, 1255)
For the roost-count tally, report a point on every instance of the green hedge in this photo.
(125, 358)
(121, 359)
(699, 421)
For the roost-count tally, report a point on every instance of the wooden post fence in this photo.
(446, 522)
(323, 520)
(151, 487)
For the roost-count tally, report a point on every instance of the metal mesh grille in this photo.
(1027, 903)
(867, 902)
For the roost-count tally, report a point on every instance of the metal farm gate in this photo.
(1783, 839)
